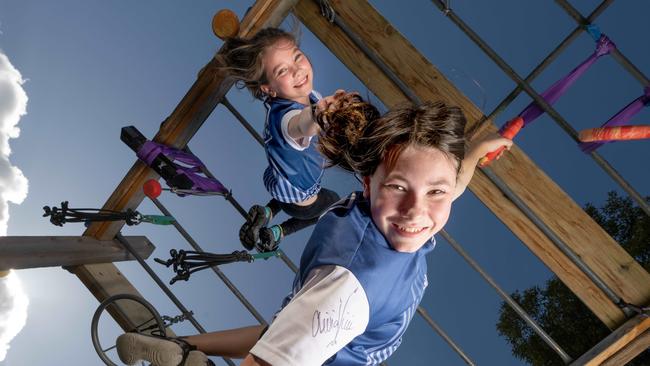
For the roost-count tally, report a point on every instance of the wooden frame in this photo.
(19, 252)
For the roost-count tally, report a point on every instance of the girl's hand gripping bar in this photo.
(509, 131)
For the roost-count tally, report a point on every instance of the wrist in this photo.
(316, 117)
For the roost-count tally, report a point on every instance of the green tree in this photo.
(558, 311)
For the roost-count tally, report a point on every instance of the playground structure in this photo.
(583, 256)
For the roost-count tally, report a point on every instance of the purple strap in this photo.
(620, 118)
(603, 47)
(150, 150)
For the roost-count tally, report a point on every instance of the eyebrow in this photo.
(293, 53)
(434, 182)
(275, 69)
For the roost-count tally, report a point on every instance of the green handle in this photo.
(158, 219)
(265, 255)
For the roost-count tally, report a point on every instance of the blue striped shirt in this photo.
(293, 174)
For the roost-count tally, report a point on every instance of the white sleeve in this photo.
(324, 316)
(300, 144)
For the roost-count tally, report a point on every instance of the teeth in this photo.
(410, 229)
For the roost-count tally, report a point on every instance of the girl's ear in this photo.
(265, 89)
(366, 187)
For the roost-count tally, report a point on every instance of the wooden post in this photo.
(104, 280)
(630, 351)
(630, 337)
(20, 252)
(554, 207)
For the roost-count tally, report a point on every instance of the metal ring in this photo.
(109, 301)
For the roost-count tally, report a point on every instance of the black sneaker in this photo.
(268, 243)
(249, 232)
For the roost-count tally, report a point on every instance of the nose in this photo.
(413, 205)
(298, 71)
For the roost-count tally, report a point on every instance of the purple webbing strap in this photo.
(150, 150)
(621, 118)
(603, 47)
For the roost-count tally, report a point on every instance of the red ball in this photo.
(152, 188)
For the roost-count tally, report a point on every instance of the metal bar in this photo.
(242, 120)
(543, 104)
(538, 70)
(165, 289)
(616, 54)
(513, 304)
(215, 268)
(423, 313)
(630, 67)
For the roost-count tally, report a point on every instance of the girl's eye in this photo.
(435, 192)
(298, 57)
(396, 187)
(282, 71)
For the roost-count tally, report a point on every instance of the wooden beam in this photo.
(563, 216)
(104, 280)
(627, 338)
(20, 252)
(631, 350)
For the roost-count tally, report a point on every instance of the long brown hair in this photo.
(354, 137)
(242, 58)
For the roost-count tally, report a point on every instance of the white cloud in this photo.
(13, 310)
(13, 188)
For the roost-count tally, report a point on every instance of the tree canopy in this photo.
(558, 311)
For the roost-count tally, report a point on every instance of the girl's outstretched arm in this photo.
(303, 125)
(475, 153)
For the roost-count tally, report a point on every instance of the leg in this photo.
(301, 217)
(270, 237)
(324, 200)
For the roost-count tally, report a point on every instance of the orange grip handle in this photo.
(615, 133)
(510, 130)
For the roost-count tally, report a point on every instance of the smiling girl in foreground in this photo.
(363, 272)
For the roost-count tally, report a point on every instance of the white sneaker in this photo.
(159, 351)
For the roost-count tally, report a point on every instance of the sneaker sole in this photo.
(133, 347)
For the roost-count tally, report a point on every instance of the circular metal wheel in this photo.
(154, 325)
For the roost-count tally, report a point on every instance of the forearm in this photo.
(472, 157)
(251, 360)
(234, 343)
(303, 125)
(467, 169)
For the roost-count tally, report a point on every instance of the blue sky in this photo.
(92, 67)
